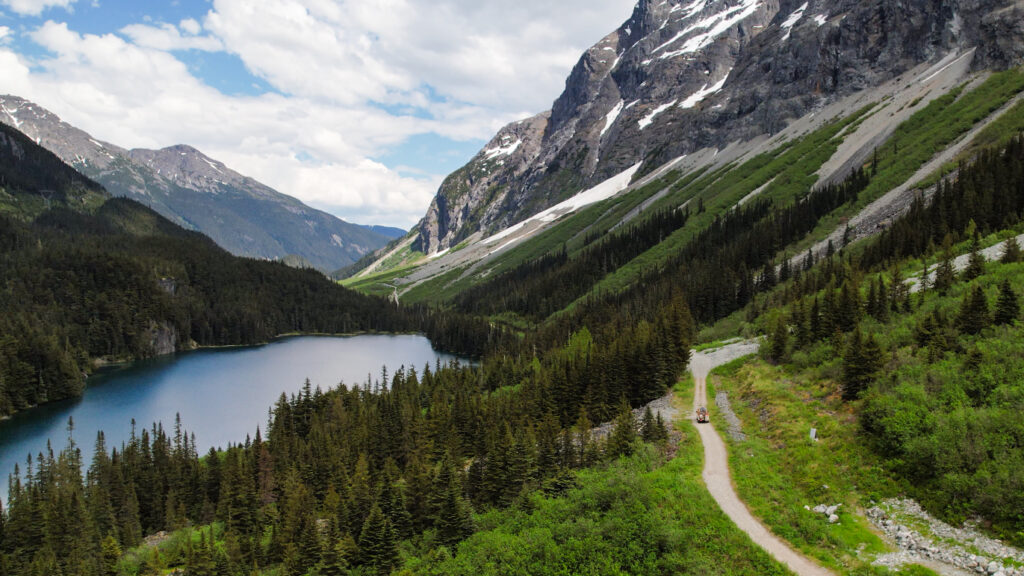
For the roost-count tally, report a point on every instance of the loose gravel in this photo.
(964, 548)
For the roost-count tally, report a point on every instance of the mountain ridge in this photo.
(193, 190)
(679, 76)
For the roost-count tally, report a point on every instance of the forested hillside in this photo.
(347, 479)
(32, 179)
(930, 363)
(84, 278)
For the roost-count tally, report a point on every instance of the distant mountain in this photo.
(389, 232)
(243, 216)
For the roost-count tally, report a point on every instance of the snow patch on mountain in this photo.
(12, 115)
(716, 25)
(699, 96)
(612, 116)
(602, 191)
(502, 150)
(649, 119)
(795, 17)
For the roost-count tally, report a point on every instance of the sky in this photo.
(357, 107)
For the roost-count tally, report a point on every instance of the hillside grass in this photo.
(926, 134)
(788, 171)
(997, 133)
(778, 469)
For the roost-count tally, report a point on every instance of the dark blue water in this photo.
(222, 394)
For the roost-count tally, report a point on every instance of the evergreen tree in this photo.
(648, 430)
(1008, 304)
(620, 441)
(862, 360)
(976, 262)
(974, 312)
(111, 554)
(1011, 251)
(660, 429)
(944, 274)
(778, 341)
(333, 562)
(377, 542)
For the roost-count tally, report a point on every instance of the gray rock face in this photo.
(243, 216)
(681, 75)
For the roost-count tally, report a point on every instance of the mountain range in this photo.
(242, 215)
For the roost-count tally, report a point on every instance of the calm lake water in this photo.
(222, 394)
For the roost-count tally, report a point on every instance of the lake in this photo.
(222, 394)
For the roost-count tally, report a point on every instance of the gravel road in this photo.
(716, 467)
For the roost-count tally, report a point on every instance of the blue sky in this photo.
(356, 107)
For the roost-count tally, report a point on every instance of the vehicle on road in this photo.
(702, 414)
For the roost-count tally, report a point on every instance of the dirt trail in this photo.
(716, 467)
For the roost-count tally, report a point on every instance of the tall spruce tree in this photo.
(862, 360)
(1008, 304)
(974, 311)
(945, 275)
(778, 341)
(1011, 251)
(620, 441)
(975, 262)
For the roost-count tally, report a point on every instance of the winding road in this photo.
(716, 466)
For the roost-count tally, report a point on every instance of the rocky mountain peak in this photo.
(682, 75)
(186, 166)
(74, 146)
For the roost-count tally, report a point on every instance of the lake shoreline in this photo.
(221, 393)
(104, 364)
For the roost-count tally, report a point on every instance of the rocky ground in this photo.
(735, 427)
(921, 537)
(661, 406)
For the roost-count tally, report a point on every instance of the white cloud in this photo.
(35, 7)
(190, 26)
(168, 37)
(507, 56)
(5, 35)
(339, 67)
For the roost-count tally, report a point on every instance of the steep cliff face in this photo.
(197, 192)
(681, 75)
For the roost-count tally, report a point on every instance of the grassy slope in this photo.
(778, 470)
(787, 171)
(939, 410)
(927, 133)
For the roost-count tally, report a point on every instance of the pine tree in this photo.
(1011, 251)
(660, 430)
(647, 426)
(371, 538)
(778, 341)
(976, 262)
(333, 563)
(945, 275)
(849, 309)
(974, 312)
(1008, 304)
(620, 441)
(111, 554)
(862, 360)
